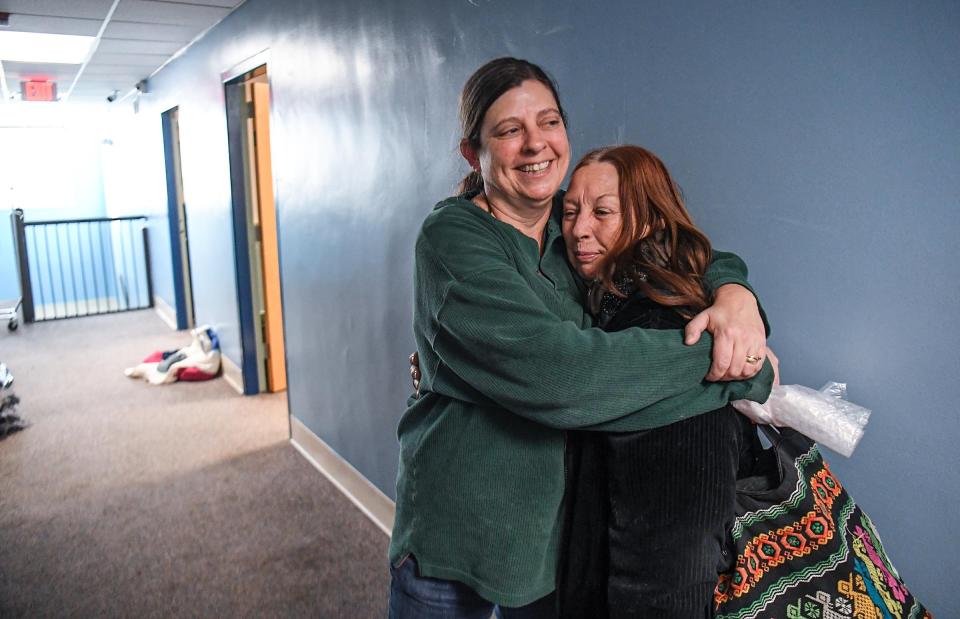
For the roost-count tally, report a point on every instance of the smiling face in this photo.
(523, 154)
(592, 216)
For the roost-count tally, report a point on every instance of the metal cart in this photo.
(10, 312)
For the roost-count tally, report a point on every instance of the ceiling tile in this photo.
(135, 73)
(131, 75)
(152, 12)
(55, 25)
(134, 46)
(151, 32)
(17, 71)
(221, 3)
(90, 9)
(153, 60)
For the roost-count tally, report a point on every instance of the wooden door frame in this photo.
(233, 81)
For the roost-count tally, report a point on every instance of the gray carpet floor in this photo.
(187, 500)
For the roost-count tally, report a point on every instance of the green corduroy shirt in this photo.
(509, 361)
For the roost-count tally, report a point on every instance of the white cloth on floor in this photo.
(203, 353)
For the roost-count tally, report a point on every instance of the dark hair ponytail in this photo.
(471, 183)
(485, 86)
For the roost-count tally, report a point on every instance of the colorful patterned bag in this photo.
(804, 549)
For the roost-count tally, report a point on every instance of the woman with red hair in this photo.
(647, 512)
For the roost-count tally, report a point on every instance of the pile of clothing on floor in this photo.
(10, 422)
(198, 361)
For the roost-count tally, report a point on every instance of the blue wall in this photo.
(818, 140)
(135, 185)
(50, 173)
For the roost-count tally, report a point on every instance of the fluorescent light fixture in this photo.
(42, 47)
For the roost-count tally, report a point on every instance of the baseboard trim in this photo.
(166, 313)
(231, 373)
(374, 504)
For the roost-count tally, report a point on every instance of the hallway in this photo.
(123, 499)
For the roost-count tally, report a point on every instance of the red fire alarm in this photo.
(38, 91)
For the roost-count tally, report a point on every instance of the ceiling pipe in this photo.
(93, 49)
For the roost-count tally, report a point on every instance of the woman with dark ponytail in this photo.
(480, 92)
(510, 360)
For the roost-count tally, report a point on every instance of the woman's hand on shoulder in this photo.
(739, 337)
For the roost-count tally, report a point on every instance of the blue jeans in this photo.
(415, 597)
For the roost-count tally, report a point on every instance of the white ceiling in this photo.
(139, 37)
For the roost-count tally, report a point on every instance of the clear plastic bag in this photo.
(823, 415)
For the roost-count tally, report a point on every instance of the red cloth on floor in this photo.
(193, 374)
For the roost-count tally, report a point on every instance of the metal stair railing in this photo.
(82, 267)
